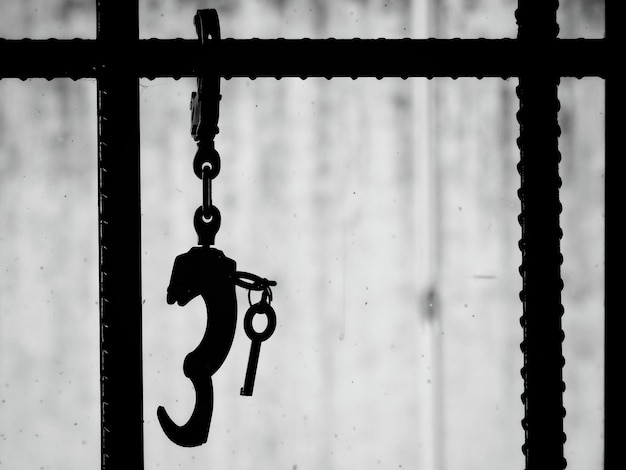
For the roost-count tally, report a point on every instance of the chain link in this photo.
(207, 197)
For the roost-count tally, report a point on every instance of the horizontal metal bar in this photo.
(152, 58)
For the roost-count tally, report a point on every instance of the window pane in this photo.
(42, 19)
(491, 19)
(581, 19)
(344, 19)
(476, 261)
(387, 211)
(392, 339)
(582, 169)
(49, 346)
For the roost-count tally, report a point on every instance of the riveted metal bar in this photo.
(312, 58)
(540, 245)
(120, 238)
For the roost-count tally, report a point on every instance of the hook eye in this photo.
(206, 229)
(207, 157)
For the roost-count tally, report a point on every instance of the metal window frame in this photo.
(536, 56)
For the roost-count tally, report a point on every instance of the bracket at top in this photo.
(205, 102)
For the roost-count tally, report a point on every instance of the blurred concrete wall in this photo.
(386, 210)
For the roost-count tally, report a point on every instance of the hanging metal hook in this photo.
(209, 273)
(203, 270)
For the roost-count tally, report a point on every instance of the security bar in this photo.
(118, 58)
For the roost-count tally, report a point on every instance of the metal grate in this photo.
(537, 57)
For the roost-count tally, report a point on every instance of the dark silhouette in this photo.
(263, 307)
(206, 272)
(209, 273)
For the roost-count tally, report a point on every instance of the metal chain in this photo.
(207, 167)
(207, 196)
(204, 118)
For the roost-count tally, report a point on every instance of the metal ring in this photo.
(206, 229)
(207, 197)
(207, 155)
(268, 311)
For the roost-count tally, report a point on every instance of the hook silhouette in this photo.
(209, 273)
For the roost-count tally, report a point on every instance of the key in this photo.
(257, 338)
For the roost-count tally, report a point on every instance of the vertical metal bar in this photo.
(540, 245)
(120, 237)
